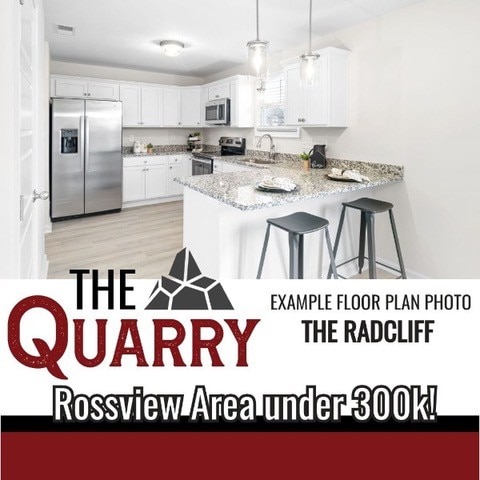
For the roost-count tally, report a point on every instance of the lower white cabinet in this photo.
(150, 178)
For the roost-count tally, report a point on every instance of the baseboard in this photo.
(153, 201)
(411, 274)
(48, 227)
(43, 274)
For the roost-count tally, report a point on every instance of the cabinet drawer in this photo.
(134, 161)
(156, 160)
(174, 159)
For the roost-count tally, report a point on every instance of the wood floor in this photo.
(142, 238)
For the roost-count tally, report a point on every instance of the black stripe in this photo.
(347, 424)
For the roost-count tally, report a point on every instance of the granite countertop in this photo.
(154, 154)
(238, 189)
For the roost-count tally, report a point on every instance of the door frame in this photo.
(10, 30)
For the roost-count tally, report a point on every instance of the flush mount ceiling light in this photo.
(310, 66)
(258, 54)
(171, 48)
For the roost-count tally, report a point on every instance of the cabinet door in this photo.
(190, 107)
(67, 87)
(174, 171)
(133, 183)
(217, 166)
(130, 97)
(294, 100)
(315, 112)
(203, 101)
(221, 90)
(171, 107)
(152, 106)
(103, 90)
(155, 181)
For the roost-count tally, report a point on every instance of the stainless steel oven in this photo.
(202, 165)
(217, 112)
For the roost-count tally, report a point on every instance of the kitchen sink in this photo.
(259, 161)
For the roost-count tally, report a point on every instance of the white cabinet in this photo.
(219, 90)
(190, 106)
(171, 107)
(75, 87)
(324, 104)
(174, 171)
(242, 102)
(133, 183)
(144, 178)
(220, 166)
(142, 105)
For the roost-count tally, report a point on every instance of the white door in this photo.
(134, 183)
(171, 107)
(69, 87)
(103, 91)
(294, 99)
(31, 241)
(174, 188)
(156, 181)
(130, 97)
(191, 107)
(152, 106)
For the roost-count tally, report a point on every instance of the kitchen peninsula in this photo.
(225, 214)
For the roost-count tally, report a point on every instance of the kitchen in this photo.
(404, 105)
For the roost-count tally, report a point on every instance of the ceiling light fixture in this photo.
(258, 54)
(310, 66)
(171, 48)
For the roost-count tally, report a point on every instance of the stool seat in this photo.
(369, 205)
(299, 222)
(297, 225)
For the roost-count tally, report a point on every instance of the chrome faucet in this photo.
(271, 155)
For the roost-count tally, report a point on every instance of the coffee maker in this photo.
(318, 157)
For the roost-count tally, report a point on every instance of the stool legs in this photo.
(337, 241)
(372, 264)
(295, 242)
(361, 242)
(397, 245)
(333, 267)
(264, 251)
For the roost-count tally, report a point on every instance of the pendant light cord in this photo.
(310, 30)
(258, 28)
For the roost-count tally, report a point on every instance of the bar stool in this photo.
(297, 225)
(368, 208)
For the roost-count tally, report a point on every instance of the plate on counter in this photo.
(340, 178)
(263, 188)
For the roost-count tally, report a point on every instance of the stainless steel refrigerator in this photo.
(85, 157)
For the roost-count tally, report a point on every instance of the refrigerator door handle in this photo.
(80, 140)
(87, 143)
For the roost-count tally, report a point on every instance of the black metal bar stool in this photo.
(368, 208)
(297, 225)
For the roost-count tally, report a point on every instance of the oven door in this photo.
(201, 166)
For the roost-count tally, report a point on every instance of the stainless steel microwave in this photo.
(217, 112)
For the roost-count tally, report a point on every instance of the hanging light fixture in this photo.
(310, 66)
(258, 55)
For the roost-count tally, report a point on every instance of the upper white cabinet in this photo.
(324, 104)
(190, 106)
(219, 90)
(242, 102)
(64, 86)
(142, 105)
(171, 107)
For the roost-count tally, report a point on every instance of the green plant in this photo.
(196, 134)
(149, 145)
(304, 156)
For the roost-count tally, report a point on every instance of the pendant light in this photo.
(258, 55)
(310, 66)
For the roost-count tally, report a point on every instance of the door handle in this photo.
(87, 143)
(40, 196)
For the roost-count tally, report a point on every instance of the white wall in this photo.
(157, 136)
(113, 73)
(414, 101)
